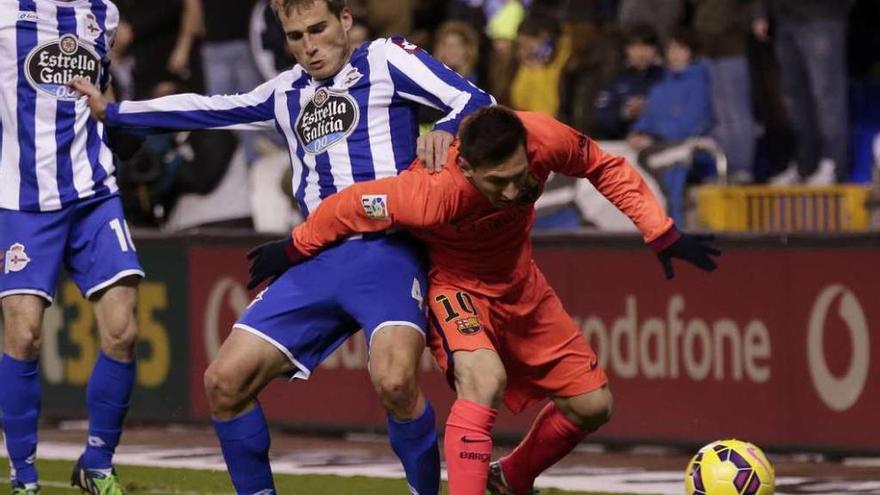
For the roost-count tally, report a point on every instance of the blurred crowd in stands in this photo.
(734, 91)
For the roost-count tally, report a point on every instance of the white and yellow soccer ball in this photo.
(730, 467)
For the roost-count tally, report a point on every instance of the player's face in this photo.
(317, 38)
(506, 184)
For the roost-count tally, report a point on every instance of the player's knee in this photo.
(396, 387)
(22, 332)
(118, 341)
(224, 389)
(481, 381)
(591, 410)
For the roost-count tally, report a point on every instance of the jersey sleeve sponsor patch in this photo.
(406, 45)
(375, 206)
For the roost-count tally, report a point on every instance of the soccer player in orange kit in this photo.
(499, 330)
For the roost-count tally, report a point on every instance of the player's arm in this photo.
(413, 199)
(248, 111)
(569, 152)
(419, 77)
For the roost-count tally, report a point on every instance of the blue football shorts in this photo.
(90, 238)
(362, 283)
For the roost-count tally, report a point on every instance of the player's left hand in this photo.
(433, 148)
(694, 248)
(96, 100)
(271, 259)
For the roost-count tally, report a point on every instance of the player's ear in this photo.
(346, 19)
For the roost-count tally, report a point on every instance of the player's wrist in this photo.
(294, 255)
(665, 240)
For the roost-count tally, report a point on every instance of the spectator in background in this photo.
(502, 27)
(164, 38)
(810, 38)
(622, 101)
(722, 27)
(390, 18)
(229, 67)
(677, 108)
(456, 44)
(542, 51)
(663, 15)
(595, 60)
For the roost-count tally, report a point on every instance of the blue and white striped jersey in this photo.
(358, 126)
(52, 153)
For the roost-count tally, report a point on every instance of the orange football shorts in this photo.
(542, 348)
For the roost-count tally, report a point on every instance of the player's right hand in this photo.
(271, 259)
(95, 99)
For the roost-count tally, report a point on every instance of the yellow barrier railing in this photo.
(783, 209)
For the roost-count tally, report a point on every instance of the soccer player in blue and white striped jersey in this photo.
(59, 205)
(348, 114)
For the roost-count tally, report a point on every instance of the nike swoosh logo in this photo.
(474, 440)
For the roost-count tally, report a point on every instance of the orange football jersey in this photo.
(470, 240)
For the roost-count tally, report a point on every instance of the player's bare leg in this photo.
(560, 426)
(20, 393)
(480, 381)
(110, 385)
(395, 354)
(244, 366)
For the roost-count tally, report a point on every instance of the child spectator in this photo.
(542, 52)
(623, 100)
(678, 108)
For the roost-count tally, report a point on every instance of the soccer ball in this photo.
(729, 467)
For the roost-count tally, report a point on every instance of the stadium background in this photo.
(776, 347)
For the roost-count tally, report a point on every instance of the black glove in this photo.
(695, 248)
(272, 259)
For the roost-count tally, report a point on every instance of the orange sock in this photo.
(551, 438)
(467, 444)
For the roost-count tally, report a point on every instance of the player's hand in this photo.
(433, 148)
(96, 100)
(694, 248)
(271, 259)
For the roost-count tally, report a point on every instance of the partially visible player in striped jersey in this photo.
(348, 115)
(59, 206)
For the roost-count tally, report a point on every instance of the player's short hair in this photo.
(490, 135)
(334, 6)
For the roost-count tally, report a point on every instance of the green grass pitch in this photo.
(138, 480)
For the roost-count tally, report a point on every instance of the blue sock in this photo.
(20, 405)
(245, 444)
(415, 443)
(107, 397)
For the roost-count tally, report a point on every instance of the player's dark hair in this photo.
(334, 6)
(490, 136)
